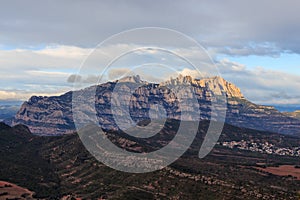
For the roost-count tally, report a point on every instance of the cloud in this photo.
(229, 24)
(46, 73)
(39, 70)
(89, 79)
(24, 95)
(7, 95)
(64, 51)
(26, 72)
(56, 66)
(42, 45)
(54, 57)
(261, 85)
(118, 73)
(73, 78)
(190, 72)
(260, 49)
(226, 64)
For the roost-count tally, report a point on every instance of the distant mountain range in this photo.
(8, 109)
(53, 115)
(287, 107)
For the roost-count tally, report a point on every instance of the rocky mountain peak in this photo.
(178, 80)
(216, 85)
(53, 115)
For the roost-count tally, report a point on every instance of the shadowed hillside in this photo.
(60, 166)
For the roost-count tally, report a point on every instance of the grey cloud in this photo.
(86, 79)
(117, 73)
(73, 78)
(282, 95)
(263, 49)
(230, 24)
(91, 79)
(235, 28)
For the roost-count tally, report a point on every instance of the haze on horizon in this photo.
(254, 44)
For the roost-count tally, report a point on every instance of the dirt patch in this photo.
(11, 191)
(283, 170)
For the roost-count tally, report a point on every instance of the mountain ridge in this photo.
(53, 115)
(294, 114)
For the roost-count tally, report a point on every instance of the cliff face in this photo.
(47, 115)
(53, 115)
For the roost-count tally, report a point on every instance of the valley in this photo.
(56, 167)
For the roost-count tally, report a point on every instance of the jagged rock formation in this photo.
(53, 115)
(47, 115)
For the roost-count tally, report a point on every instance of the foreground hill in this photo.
(53, 115)
(22, 163)
(12, 191)
(56, 167)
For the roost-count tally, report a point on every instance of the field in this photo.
(283, 170)
(9, 191)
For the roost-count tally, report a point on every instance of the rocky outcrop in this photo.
(295, 114)
(53, 115)
(216, 84)
(47, 115)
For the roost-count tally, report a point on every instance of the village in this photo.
(265, 147)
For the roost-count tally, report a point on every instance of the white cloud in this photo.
(230, 65)
(7, 95)
(46, 73)
(261, 85)
(24, 95)
(39, 70)
(191, 72)
(64, 51)
(49, 57)
(25, 72)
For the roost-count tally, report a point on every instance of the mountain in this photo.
(7, 111)
(53, 115)
(21, 162)
(295, 114)
(287, 107)
(59, 167)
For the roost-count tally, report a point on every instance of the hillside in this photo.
(295, 114)
(54, 167)
(22, 163)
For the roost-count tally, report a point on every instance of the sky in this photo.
(254, 44)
